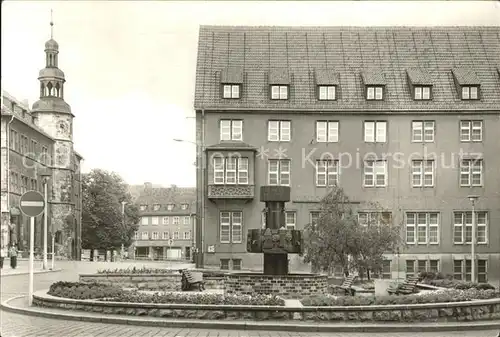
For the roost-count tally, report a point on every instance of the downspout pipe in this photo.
(7, 150)
(203, 190)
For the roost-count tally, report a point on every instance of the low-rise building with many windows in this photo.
(166, 228)
(404, 116)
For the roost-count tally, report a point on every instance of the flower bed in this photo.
(83, 291)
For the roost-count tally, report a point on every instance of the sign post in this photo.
(32, 204)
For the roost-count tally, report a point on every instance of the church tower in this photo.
(54, 116)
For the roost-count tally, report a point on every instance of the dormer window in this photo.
(374, 82)
(374, 93)
(470, 92)
(326, 92)
(170, 207)
(156, 207)
(279, 92)
(327, 81)
(184, 206)
(231, 91)
(231, 81)
(143, 207)
(467, 83)
(279, 81)
(422, 93)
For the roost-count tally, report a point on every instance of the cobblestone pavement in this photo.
(15, 325)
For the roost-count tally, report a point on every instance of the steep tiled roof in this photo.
(168, 195)
(355, 54)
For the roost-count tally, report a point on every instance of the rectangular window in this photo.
(136, 235)
(219, 170)
(279, 131)
(154, 220)
(231, 170)
(170, 207)
(374, 218)
(224, 264)
(279, 92)
(155, 236)
(457, 269)
(482, 271)
(422, 131)
(176, 235)
(236, 264)
(186, 220)
(145, 236)
(144, 220)
(326, 92)
(231, 227)
(290, 219)
(421, 266)
(231, 129)
(231, 91)
(176, 220)
(374, 93)
(375, 173)
(423, 173)
(375, 132)
(187, 235)
(422, 228)
(314, 216)
(386, 269)
(434, 266)
(422, 93)
(471, 131)
(471, 172)
(463, 220)
(327, 173)
(243, 171)
(165, 220)
(410, 268)
(156, 207)
(470, 93)
(327, 131)
(279, 172)
(165, 236)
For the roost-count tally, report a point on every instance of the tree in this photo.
(103, 225)
(337, 238)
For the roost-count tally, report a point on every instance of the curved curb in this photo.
(254, 325)
(35, 273)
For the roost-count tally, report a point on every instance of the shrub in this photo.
(83, 291)
(457, 284)
(135, 270)
(454, 295)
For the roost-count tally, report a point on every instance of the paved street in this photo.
(14, 325)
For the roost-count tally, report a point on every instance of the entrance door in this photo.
(188, 253)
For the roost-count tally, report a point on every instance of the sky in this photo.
(130, 65)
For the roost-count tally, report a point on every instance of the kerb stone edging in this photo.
(245, 325)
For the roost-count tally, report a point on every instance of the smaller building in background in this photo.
(167, 224)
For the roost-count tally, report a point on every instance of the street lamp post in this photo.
(473, 199)
(123, 225)
(45, 180)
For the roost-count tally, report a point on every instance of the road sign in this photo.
(32, 203)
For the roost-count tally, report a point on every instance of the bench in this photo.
(192, 280)
(346, 286)
(405, 288)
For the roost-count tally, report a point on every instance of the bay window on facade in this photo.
(327, 173)
(462, 227)
(422, 228)
(231, 130)
(231, 227)
(327, 131)
(279, 172)
(230, 170)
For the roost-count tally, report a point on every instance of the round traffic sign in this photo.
(32, 203)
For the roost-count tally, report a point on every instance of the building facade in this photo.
(167, 225)
(403, 116)
(37, 148)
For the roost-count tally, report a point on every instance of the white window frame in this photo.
(136, 235)
(176, 220)
(155, 220)
(219, 170)
(279, 131)
(165, 220)
(421, 170)
(470, 93)
(231, 129)
(327, 131)
(327, 92)
(430, 224)
(143, 207)
(155, 236)
(314, 216)
(176, 235)
(231, 91)
(145, 236)
(231, 168)
(186, 220)
(374, 92)
(231, 227)
(170, 207)
(422, 93)
(373, 168)
(282, 175)
(422, 131)
(188, 236)
(373, 218)
(279, 92)
(156, 207)
(470, 130)
(290, 219)
(144, 220)
(223, 168)
(465, 226)
(184, 206)
(165, 235)
(375, 131)
(470, 169)
(327, 173)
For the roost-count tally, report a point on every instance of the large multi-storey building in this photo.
(167, 224)
(37, 147)
(404, 116)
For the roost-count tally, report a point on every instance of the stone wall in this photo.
(286, 286)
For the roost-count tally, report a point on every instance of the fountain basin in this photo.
(290, 286)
